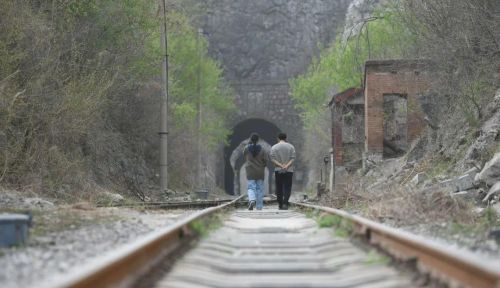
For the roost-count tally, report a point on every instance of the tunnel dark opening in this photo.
(266, 130)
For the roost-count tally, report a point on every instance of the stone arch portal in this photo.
(232, 165)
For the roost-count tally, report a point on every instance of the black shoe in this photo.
(251, 205)
(280, 206)
(285, 206)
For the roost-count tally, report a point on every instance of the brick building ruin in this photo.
(348, 117)
(394, 91)
(381, 119)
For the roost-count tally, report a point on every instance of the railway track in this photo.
(275, 248)
(197, 204)
(172, 204)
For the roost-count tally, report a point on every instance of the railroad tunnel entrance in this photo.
(234, 178)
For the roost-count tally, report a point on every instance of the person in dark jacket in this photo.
(255, 165)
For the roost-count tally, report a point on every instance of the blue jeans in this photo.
(256, 192)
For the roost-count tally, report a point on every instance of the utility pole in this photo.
(164, 102)
(201, 168)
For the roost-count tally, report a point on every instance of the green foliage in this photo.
(342, 227)
(328, 220)
(342, 232)
(345, 228)
(489, 218)
(75, 90)
(375, 258)
(80, 8)
(469, 99)
(203, 227)
(194, 77)
(340, 66)
(10, 54)
(459, 37)
(439, 168)
(311, 213)
(479, 226)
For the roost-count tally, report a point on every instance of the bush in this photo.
(79, 98)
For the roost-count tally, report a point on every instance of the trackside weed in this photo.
(203, 227)
(375, 258)
(342, 227)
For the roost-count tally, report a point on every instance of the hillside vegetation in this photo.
(460, 39)
(80, 94)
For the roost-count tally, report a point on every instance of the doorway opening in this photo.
(395, 125)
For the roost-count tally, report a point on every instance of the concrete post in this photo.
(164, 103)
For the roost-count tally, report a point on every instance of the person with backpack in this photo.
(255, 165)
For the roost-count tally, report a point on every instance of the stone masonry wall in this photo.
(269, 101)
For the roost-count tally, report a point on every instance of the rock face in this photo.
(112, 198)
(487, 139)
(491, 171)
(495, 189)
(270, 39)
(461, 183)
(419, 179)
(358, 11)
(466, 181)
(262, 44)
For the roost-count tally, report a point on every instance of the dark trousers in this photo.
(283, 187)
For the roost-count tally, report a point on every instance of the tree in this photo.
(79, 94)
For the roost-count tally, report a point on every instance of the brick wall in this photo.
(347, 109)
(337, 140)
(406, 77)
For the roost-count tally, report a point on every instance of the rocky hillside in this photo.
(264, 40)
(447, 183)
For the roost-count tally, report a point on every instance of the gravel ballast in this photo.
(55, 253)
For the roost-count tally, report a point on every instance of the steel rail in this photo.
(124, 265)
(180, 204)
(457, 267)
(200, 203)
